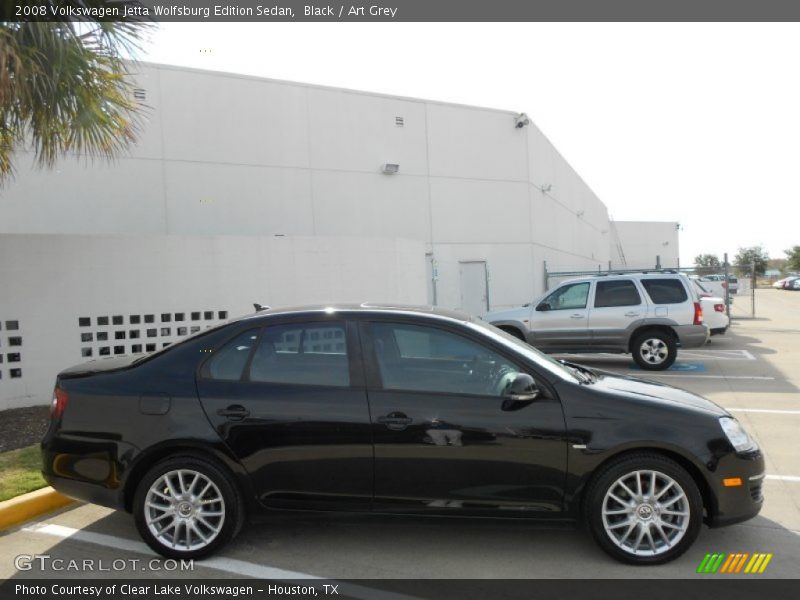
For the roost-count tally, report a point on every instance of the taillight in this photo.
(60, 398)
(698, 314)
(724, 285)
(719, 307)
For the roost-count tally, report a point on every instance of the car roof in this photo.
(613, 276)
(365, 308)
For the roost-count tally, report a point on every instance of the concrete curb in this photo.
(23, 508)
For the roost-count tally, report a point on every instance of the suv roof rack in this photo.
(635, 272)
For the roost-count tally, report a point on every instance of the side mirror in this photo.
(543, 306)
(522, 389)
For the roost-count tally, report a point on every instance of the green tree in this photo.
(65, 86)
(706, 263)
(793, 258)
(754, 255)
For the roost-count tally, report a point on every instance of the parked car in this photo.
(778, 285)
(796, 284)
(789, 282)
(714, 314)
(392, 410)
(716, 285)
(646, 314)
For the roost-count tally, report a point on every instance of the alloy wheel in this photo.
(184, 510)
(654, 351)
(645, 513)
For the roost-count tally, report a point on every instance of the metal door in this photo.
(474, 287)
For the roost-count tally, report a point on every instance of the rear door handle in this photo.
(396, 421)
(577, 317)
(235, 412)
(631, 314)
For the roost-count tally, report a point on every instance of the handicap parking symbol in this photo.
(693, 367)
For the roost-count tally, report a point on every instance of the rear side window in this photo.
(302, 354)
(616, 293)
(665, 291)
(229, 362)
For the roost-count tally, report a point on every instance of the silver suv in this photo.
(648, 315)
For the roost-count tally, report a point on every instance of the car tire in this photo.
(642, 527)
(187, 507)
(654, 349)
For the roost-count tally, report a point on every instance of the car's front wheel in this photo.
(644, 509)
(187, 507)
(654, 350)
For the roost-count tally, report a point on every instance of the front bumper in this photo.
(738, 503)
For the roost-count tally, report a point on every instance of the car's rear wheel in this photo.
(187, 507)
(654, 349)
(644, 509)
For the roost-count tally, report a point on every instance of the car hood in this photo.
(653, 392)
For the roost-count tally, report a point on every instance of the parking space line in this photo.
(783, 477)
(769, 411)
(689, 375)
(219, 563)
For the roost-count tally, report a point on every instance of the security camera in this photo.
(521, 120)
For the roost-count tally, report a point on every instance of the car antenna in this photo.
(260, 307)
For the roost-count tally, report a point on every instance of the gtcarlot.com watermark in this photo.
(45, 562)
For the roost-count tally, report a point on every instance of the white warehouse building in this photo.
(243, 189)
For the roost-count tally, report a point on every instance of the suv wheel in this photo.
(187, 507)
(654, 349)
(644, 509)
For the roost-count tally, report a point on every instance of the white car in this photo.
(715, 285)
(714, 315)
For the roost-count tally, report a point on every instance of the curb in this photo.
(28, 506)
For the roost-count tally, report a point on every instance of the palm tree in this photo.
(65, 87)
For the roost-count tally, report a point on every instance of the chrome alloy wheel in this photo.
(654, 351)
(645, 513)
(184, 510)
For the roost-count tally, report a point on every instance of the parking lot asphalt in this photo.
(753, 370)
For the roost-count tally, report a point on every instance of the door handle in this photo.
(395, 421)
(576, 317)
(631, 314)
(235, 412)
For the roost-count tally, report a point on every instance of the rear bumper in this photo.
(692, 336)
(86, 492)
(719, 330)
(739, 503)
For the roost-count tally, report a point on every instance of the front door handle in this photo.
(235, 412)
(576, 317)
(395, 421)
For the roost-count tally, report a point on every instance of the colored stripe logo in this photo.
(737, 562)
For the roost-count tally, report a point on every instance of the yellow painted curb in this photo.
(23, 508)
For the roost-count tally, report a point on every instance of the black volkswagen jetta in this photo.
(392, 410)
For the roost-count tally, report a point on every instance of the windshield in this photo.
(526, 350)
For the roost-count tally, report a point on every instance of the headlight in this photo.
(736, 435)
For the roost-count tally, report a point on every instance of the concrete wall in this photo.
(51, 282)
(643, 241)
(224, 154)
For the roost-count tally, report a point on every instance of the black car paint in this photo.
(295, 452)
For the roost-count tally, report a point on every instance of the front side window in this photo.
(302, 354)
(419, 358)
(616, 293)
(229, 362)
(665, 291)
(569, 297)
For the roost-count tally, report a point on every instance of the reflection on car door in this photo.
(561, 320)
(617, 304)
(290, 403)
(446, 440)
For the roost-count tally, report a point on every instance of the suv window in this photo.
(616, 293)
(418, 358)
(302, 354)
(665, 291)
(229, 361)
(569, 297)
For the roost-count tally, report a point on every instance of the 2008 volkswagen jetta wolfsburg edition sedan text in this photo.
(392, 410)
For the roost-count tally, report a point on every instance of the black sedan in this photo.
(392, 410)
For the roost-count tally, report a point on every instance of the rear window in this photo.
(665, 291)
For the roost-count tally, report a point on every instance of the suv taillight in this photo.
(719, 308)
(60, 398)
(698, 314)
